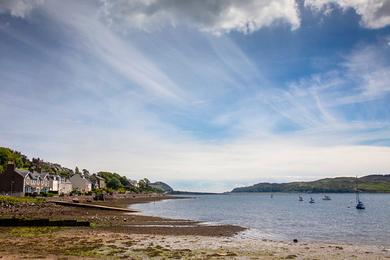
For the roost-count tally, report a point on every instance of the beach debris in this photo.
(295, 240)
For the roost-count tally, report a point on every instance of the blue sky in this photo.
(205, 95)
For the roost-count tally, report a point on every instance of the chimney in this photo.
(10, 166)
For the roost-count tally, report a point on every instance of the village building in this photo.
(97, 181)
(13, 181)
(19, 182)
(60, 184)
(38, 183)
(65, 186)
(81, 183)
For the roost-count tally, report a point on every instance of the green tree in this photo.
(114, 184)
(85, 172)
(125, 182)
(143, 184)
(6, 155)
(76, 170)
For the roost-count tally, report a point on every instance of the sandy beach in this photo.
(115, 234)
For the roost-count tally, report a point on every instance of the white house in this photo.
(60, 184)
(65, 186)
(80, 183)
(53, 183)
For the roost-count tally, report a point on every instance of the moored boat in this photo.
(359, 203)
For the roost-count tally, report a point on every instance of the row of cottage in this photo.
(19, 182)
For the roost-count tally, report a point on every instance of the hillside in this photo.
(370, 183)
(113, 180)
(161, 186)
(21, 161)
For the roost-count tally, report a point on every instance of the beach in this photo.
(117, 234)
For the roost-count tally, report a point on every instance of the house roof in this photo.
(95, 177)
(37, 175)
(82, 176)
(23, 173)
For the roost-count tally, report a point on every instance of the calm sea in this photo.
(283, 217)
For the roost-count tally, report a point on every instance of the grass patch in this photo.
(8, 200)
(33, 231)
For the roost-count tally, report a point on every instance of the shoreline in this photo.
(128, 235)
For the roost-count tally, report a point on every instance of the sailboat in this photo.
(359, 204)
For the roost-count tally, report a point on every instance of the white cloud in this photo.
(92, 117)
(105, 45)
(375, 14)
(19, 8)
(217, 17)
(369, 70)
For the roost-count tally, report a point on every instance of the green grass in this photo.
(33, 231)
(375, 187)
(19, 200)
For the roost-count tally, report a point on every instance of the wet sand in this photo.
(117, 221)
(115, 235)
(68, 243)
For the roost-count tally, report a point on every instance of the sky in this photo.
(205, 95)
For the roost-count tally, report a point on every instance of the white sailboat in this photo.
(359, 203)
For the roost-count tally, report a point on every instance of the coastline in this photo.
(128, 235)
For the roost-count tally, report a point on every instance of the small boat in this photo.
(311, 200)
(359, 204)
(326, 197)
(272, 196)
(300, 198)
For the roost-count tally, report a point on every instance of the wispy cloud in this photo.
(184, 105)
(19, 8)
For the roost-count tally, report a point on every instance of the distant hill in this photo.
(370, 183)
(161, 186)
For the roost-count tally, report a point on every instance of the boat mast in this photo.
(357, 191)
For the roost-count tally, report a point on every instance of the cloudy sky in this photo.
(202, 94)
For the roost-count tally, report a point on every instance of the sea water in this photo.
(284, 217)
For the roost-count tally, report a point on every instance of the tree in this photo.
(125, 182)
(76, 170)
(114, 184)
(6, 155)
(85, 172)
(143, 184)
